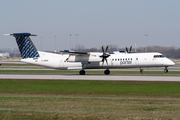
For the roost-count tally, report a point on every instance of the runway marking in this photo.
(101, 98)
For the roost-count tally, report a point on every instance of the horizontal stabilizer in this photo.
(20, 34)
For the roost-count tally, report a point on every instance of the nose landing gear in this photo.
(141, 71)
(165, 70)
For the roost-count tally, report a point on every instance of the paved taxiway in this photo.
(91, 77)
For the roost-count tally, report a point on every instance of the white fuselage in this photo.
(93, 61)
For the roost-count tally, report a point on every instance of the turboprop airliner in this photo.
(68, 60)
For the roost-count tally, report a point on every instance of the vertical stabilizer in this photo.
(26, 46)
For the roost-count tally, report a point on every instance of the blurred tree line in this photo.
(170, 52)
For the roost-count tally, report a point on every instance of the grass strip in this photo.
(15, 108)
(11, 64)
(92, 88)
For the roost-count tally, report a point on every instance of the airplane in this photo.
(70, 60)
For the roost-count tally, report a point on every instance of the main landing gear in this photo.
(107, 72)
(82, 72)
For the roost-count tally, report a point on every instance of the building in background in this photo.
(4, 55)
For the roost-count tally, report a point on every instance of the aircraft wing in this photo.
(75, 53)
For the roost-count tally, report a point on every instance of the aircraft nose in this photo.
(170, 62)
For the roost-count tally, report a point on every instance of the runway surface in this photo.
(92, 77)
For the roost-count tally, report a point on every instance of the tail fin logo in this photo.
(26, 46)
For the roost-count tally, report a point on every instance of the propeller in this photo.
(105, 55)
(129, 49)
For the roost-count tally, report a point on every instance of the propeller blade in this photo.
(106, 48)
(130, 49)
(106, 61)
(103, 49)
(102, 61)
(126, 49)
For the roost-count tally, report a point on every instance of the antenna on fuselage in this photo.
(135, 47)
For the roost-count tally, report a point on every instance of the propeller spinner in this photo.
(105, 55)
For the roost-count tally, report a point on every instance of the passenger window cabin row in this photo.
(121, 59)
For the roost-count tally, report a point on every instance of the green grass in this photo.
(90, 72)
(91, 88)
(81, 100)
(15, 108)
(9, 65)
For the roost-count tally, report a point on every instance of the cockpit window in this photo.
(159, 56)
(162, 56)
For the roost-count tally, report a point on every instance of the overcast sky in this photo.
(97, 22)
